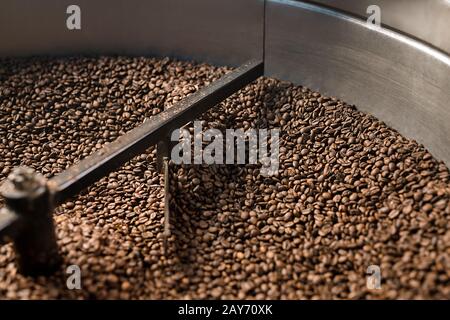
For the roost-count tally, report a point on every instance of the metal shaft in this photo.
(166, 232)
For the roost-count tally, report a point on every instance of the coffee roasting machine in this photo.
(399, 71)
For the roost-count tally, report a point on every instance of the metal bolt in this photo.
(24, 179)
(27, 197)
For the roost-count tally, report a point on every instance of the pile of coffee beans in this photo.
(350, 193)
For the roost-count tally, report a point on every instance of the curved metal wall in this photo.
(215, 31)
(399, 80)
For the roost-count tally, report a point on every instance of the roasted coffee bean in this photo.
(350, 191)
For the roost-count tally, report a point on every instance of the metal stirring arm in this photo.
(30, 198)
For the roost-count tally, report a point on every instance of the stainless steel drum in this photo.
(400, 72)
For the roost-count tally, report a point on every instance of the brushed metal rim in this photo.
(400, 80)
(415, 44)
(425, 20)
